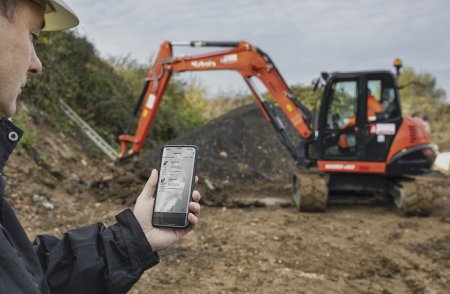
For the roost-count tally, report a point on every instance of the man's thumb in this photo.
(150, 186)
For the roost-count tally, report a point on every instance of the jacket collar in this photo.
(9, 137)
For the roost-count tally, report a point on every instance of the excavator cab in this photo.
(353, 106)
(358, 120)
(365, 144)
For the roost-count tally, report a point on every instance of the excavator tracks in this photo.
(310, 192)
(413, 197)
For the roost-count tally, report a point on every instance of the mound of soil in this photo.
(240, 146)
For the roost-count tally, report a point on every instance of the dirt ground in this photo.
(349, 249)
(253, 240)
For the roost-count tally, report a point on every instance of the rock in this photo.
(44, 201)
(208, 184)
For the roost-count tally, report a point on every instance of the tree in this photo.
(73, 71)
(414, 85)
(307, 96)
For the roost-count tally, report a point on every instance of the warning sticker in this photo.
(382, 129)
(150, 101)
(229, 59)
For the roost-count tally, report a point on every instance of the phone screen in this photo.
(175, 185)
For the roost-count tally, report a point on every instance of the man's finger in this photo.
(195, 208)
(193, 220)
(196, 196)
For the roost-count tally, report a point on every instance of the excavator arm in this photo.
(241, 57)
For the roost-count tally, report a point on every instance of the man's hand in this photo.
(160, 238)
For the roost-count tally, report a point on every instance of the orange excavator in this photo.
(347, 146)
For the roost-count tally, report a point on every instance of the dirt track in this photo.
(352, 248)
(357, 249)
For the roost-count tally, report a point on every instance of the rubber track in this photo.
(416, 198)
(313, 192)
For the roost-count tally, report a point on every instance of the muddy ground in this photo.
(252, 240)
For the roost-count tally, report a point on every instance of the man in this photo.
(373, 107)
(91, 259)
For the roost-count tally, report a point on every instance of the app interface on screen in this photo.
(175, 181)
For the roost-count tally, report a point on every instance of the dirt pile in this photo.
(240, 146)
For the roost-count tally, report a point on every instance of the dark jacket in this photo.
(90, 259)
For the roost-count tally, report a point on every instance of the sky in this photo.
(303, 37)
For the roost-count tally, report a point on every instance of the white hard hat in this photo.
(58, 16)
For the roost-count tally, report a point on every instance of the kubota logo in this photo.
(209, 63)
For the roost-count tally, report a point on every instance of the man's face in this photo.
(17, 55)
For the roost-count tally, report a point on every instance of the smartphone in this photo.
(175, 186)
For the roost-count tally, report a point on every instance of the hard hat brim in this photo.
(59, 16)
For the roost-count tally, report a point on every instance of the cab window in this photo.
(381, 102)
(343, 105)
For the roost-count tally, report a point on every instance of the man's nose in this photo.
(35, 65)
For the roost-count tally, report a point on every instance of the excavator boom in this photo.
(241, 57)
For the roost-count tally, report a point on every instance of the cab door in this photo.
(382, 117)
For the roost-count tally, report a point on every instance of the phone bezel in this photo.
(165, 216)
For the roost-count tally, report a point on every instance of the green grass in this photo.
(29, 137)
